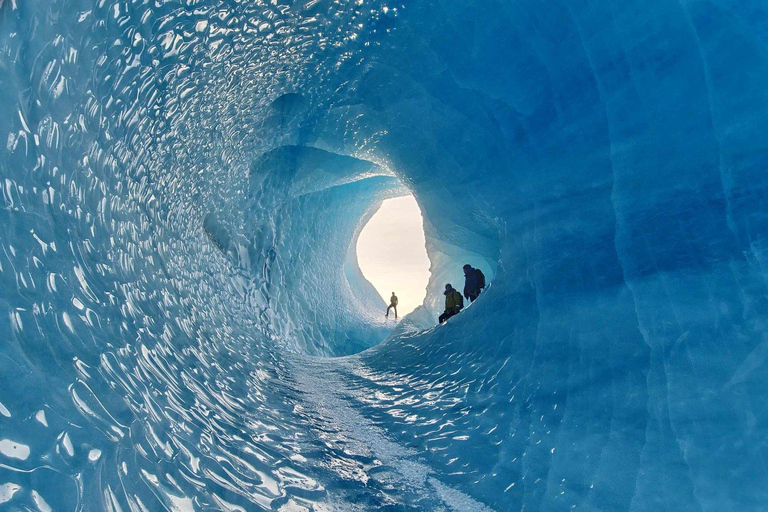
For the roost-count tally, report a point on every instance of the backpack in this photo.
(480, 279)
(461, 299)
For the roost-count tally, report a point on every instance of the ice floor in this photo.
(183, 323)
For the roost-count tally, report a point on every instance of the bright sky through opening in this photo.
(392, 254)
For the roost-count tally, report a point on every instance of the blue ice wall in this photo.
(182, 183)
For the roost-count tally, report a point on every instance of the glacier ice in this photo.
(182, 183)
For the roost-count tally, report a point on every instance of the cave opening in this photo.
(392, 254)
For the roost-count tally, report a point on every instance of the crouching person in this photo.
(453, 303)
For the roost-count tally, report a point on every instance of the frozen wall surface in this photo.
(181, 184)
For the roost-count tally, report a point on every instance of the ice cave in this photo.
(184, 325)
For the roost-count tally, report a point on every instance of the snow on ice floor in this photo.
(183, 322)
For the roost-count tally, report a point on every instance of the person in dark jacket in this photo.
(453, 303)
(474, 281)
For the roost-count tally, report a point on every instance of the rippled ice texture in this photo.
(182, 185)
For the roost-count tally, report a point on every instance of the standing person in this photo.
(453, 303)
(392, 304)
(474, 281)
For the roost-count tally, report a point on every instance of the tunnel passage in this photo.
(605, 159)
(295, 237)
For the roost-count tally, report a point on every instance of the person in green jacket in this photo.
(392, 304)
(453, 303)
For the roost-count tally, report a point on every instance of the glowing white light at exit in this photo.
(392, 254)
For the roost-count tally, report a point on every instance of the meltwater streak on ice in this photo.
(182, 183)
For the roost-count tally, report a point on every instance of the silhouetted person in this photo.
(453, 303)
(474, 281)
(392, 304)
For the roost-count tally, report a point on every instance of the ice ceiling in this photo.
(182, 185)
